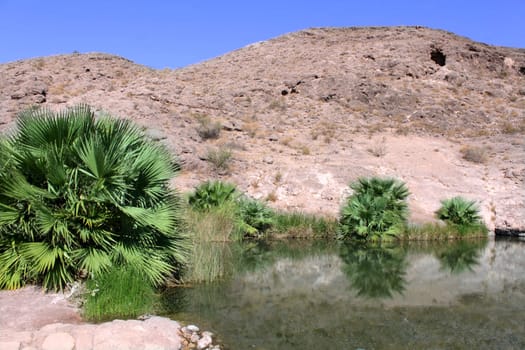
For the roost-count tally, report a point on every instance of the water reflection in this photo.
(295, 295)
(460, 256)
(374, 271)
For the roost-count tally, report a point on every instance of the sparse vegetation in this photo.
(327, 130)
(474, 154)
(378, 149)
(272, 197)
(305, 150)
(208, 129)
(278, 177)
(219, 157)
(512, 128)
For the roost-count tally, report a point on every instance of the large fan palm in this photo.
(79, 195)
(376, 210)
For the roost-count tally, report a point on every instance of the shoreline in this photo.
(31, 318)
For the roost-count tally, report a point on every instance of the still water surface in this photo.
(328, 295)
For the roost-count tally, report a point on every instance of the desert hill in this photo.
(306, 113)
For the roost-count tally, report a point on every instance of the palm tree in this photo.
(376, 210)
(459, 211)
(79, 195)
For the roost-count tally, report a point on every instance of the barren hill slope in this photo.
(308, 112)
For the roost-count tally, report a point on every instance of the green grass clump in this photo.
(443, 232)
(120, 293)
(301, 225)
(211, 231)
(217, 224)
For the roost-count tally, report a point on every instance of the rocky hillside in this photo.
(308, 112)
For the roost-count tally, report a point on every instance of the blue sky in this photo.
(174, 33)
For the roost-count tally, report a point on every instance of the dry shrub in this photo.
(272, 197)
(207, 129)
(512, 128)
(474, 154)
(252, 128)
(219, 157)
(378, 149)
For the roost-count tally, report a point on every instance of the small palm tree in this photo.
(79, 195)
(459, 211)
(212, 194)
(376, 210)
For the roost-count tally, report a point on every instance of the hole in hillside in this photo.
(522, 70)
(284, 92)
(438, 57)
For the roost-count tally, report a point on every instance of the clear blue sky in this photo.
(175, 33)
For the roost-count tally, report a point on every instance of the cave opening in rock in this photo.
(438, 57)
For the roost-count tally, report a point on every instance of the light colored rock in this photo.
(10, 345)
(83, 337)
(207, 333)
(192, 328)
(195, 338)
(204, 342)
(59, 341)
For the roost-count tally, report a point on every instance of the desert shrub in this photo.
(378, 149)
(207, 129)
(122, 293)
(219, 157)
(377, 209)
(459, 211)
(80, 195)
(474, 154)
(212, 194)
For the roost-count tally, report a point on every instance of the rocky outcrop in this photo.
(314, 106)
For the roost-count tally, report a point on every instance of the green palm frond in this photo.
(73, 189)
(14, 267)
(91, 260)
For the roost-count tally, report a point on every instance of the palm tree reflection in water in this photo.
(460, 256)
(374, 271)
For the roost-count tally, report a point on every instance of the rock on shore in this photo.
(153, 333)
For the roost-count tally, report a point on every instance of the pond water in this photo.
(329, 295)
